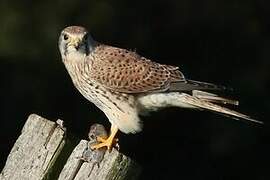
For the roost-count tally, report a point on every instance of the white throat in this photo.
(74, 56)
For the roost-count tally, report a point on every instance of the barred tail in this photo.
(152, 102)
(206, 105)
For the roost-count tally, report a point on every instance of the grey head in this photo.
(75, 39)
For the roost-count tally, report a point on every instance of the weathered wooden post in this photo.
(42, 152)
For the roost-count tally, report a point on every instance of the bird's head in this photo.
(75, 40)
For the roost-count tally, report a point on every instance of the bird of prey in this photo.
(124, 84)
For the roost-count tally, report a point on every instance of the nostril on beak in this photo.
(78, 45)
(75, 43)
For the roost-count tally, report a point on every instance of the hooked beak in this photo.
(75, 42)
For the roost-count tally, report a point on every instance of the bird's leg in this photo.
(107, 142)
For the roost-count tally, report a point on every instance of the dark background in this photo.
(223, 42)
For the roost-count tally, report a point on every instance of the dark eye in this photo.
(85, 37)
(65, 37)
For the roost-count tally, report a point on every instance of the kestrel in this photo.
(124, 84)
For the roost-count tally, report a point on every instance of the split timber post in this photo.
(42, 152)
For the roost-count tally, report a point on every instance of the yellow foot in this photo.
(101, 139)
(109, 142)
(104, 143)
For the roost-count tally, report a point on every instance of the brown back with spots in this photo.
(126, 71)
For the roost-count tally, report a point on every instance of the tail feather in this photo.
(155, 101)
(214, 98)
(190, 85)
(206, 105)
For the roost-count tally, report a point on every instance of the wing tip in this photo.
(249, 119)
(209, 86)
(254, 121)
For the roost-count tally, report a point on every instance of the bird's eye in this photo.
(85, 37)
(65, 37)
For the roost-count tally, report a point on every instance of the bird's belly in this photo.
(94, 95)
(120, 108)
